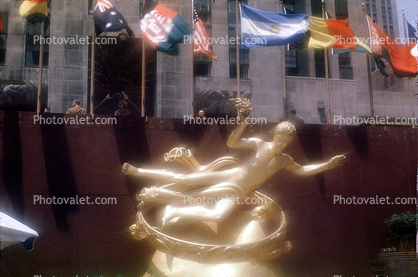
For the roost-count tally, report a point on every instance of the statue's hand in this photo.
(336, 161)
(244, 107)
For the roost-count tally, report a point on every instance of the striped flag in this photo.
(330, 33)
(34, 11)
(200, 37)
(270, 28)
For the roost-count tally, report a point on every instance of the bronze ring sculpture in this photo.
(269, 248)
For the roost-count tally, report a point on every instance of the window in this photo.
(91, 6)
(243, 53)
(390, 19)
(32, 46)
(389, 81)
(319, 63)
(291, 62)
(290, 54)
(318, 53)
(244, 62)
(202, 63)
(341, 9)
(344, 60)
(3, 38)
(316, 7)
(346, 70)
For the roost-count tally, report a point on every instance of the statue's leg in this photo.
(193, 180)
(217, 203)
(161, 195)
(216, 213)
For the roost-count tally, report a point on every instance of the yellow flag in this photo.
(34, 10)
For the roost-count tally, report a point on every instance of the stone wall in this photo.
(328, 237)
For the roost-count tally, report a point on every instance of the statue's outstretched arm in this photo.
(316, 168)
(234, 140)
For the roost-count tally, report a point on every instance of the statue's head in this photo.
(283, 135)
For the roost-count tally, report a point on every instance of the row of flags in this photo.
(303, 31)
(163, 29)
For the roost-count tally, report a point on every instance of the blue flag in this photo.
(271, 28)
(108, 19)
(412, 33)
(413, 39)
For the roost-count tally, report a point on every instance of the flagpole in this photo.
(284, 81)
(327, 73)
(143, 69)
(369, 77)
(192, 67)
(41, 59)
(93, 54)
(237, 48)
(411, 98)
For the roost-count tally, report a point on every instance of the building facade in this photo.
(66, 67)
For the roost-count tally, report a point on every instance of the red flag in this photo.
(1, 25)
(200, 37)
(398, 55)
(163, 29)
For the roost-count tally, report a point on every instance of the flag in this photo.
(1, 25)
(200, 37)
(271, 28)
(413, 38)
(34, 11)
(402, 62)
(108, 19)
(330, 33)
(412, 33)
(163, 28)
(361, 47)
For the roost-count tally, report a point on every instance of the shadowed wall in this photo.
(93, 240)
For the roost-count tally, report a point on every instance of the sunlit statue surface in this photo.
(229, 180)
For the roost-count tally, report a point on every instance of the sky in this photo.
(411, 13)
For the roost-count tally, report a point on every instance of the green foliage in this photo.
(402, 225)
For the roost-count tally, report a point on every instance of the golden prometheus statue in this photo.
(212, 221)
